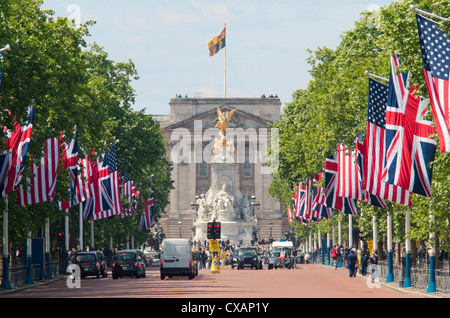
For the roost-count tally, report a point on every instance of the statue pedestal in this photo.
(224, 202)
(230, 230)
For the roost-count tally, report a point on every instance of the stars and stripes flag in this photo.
(435, 49)
(148, 217)
(374, 148)
(42, 183)
(409, 149)
(70, 163)
(84, 172)
(129, 191)
(348, 176)
(12, 160)
(333, 200)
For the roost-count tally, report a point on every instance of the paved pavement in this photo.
(308, 281)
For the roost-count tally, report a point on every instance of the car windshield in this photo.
(85, 258)
(247, 252)
(126, 256)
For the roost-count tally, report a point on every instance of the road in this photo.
(308, 281)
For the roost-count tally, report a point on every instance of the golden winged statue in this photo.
(222, 124)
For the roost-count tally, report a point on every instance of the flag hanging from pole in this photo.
(409, 149)
(217, 43)
(42, 183)
(435, 48)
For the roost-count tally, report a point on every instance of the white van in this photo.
(176, 259)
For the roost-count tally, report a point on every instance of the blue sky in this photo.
(166, 39)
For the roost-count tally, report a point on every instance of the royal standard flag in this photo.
(217, 43)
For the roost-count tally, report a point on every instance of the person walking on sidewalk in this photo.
(334, 255)
(352, 262)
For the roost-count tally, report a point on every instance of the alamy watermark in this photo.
(249, 145)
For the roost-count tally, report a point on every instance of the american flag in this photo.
(333, 200)
(12, 160)
(409, 149)
(348, 177)
(129, 190)
(148, 217)
(435, 48)
(70, 162)
(84, 172)
(42, 183)
(375, 148)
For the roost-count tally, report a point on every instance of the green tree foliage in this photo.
(74, 86)
(333, 110)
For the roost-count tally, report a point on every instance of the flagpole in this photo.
(368, 74)
(432, 15)
(225, 64)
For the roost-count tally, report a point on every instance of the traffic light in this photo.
(217, 231)
(60, 235)
(210, 231)
(213, 230)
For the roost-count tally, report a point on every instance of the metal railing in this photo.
(18, 273)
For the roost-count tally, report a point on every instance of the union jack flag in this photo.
(84, 172)
(435, 48)
(320, 209)
(303, 204)
(148, 217)
(374, 150)
(333, 200)
(100, 201)
(409, 149)
(42, 184)
(12, 160)
(70, 162)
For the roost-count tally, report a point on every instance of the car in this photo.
(128, 263)
(102, 262)
(88, 263)
(249, 257)
(234, 257)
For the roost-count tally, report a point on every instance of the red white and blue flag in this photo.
(129, 191)
(12, 160)
(70, 162)
(110, 186)
(374, 149)
(41, 186)
(148, 217)
(333, 200)
(435, 48)
(409, 149)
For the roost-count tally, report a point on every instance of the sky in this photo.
(266, 43)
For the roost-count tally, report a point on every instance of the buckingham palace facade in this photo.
(190, 133)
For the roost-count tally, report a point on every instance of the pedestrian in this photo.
(293, 258)
(352, 263)
(333, 253)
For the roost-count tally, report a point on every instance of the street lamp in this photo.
(254, 204)
(270, 236)
(179, 225)
(194, 204)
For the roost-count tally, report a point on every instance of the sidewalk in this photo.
(15, 289)
(394, 286)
